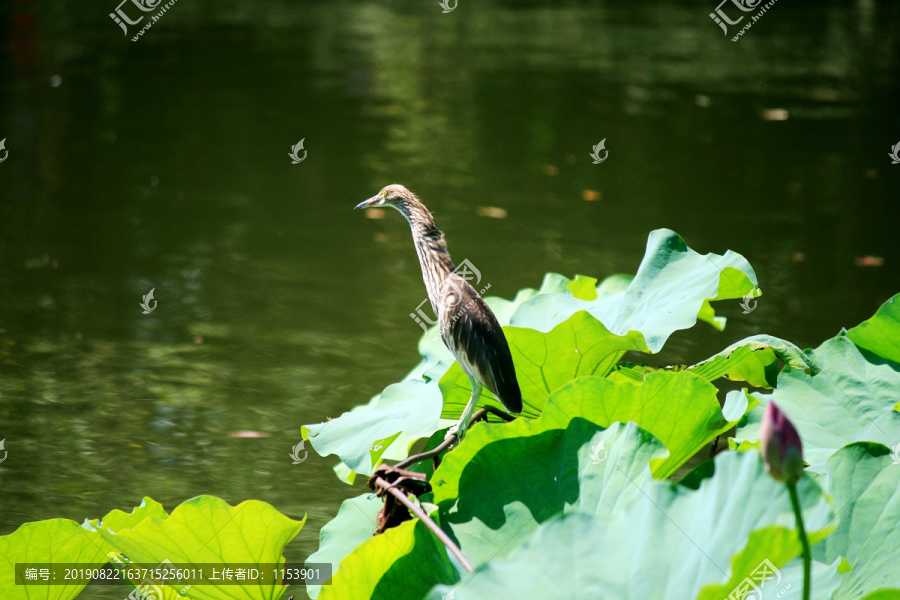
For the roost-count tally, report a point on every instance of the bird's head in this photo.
(394, 195)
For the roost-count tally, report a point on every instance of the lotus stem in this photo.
(443, 537)
(804, 541)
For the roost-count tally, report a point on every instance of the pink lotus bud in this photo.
(780, 446)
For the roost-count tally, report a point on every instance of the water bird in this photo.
(467, 325)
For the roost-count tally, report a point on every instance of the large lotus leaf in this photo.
(614, 283)
(576, 561)
(788, 583)
(671, 542)
(510, 483)
(51, 541)
(708, 315)
(607, 464)
(533, 461)
(864, 479)
(679, 408)
(546, 361)
(583, 287)
(403, 562)
(668, 293)
(880, 335)
(753, 359)
(354, 524)
(571, 545)
(117, 520)
(412, 407)
(206, 529)
(622, 453)
(853, 399)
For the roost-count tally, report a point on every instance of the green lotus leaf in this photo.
(670, 542)
(607, 461)
(754, 360)
(583, 287)
(679, 408)
(614, 283)
(864, 479)
(880, 335)
(669, 291)
(404, 561)
(206, 529)
(354, 524)
(825, 579)
(412, 407)
(500, 484)
(854, 398)
(546, 361)
(117, 520)
(51, 541)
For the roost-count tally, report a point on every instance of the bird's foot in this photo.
(458, 430)
(451, 432)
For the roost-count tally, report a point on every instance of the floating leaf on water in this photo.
(491, 211)
(775, 114)
(248, 434)
(869, 261)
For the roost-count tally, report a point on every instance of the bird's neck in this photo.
(431, 248)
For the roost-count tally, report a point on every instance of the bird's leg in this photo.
(460, 428)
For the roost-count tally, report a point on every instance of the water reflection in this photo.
(162, 164)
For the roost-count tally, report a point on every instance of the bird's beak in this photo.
(373, 201)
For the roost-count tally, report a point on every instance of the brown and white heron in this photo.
(468, 327)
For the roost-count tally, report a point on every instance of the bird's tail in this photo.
(510, 395)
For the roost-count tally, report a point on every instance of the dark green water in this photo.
(164, 164)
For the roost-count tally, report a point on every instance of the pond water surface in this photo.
(163, 164)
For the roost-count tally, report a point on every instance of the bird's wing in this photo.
(475, 337)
